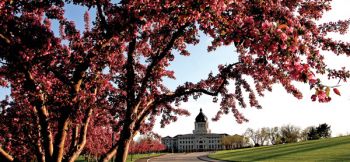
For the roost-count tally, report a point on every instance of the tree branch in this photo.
(5, 39)
(40, 155)
(106, 157)
(176, 94)
(42, 115)
(101, 16)
(158, 58)
(61, 77)
(60, 137)
(142, 117)
(130, 74)
(39, 152)
(74, 140)
(4, 156)
(78, 148)
(130, 114)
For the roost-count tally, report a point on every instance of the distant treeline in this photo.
(276, 135)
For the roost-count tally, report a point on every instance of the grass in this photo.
(332, 149)
(131, 158)
(139, 156)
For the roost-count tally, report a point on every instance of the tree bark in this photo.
(65, 120)
(106, 157)
(60, 139)
(82, 139)
(4, 156)
(42, 115)
(123, 144)
(45, 131)
(122, 147)
(40, 156)
(74, 140)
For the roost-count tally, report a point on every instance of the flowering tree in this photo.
(114, 70)
(146, 145)
(99, 139)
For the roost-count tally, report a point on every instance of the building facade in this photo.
(200, 140)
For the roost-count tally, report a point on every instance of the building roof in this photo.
(201, 117)
(196, 135)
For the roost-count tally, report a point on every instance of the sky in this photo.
(279, 107)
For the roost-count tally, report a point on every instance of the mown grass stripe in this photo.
(333, 149)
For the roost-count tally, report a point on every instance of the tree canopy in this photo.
(322, 131)
(109, 75)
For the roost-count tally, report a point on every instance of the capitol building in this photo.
(200, 140)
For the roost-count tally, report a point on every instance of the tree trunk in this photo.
(40, 156)
(39, 153)
(123, 146)
(79, 146)
(106, 157)
(43, 114)
(45, 131)
(74, 140)
(60, 140)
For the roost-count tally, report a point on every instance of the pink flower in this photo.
(321, 96)
(283, 46)
(283, 37)
(279, 31)
(249, 20)
(293, 48)
(266, 38)
(273, 47)
(265, 25)
(290, 30)
(312, 81)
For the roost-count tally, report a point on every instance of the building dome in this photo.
(201, 117)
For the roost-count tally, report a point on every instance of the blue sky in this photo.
(279, 108)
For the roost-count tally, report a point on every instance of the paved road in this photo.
(183, 157)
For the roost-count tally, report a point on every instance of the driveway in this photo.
(183, 157)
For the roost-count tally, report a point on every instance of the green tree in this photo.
(324, 130)
(313, 135)
(290, 134)
(304, 134)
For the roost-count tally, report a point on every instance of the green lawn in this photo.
(139, 156)
(133, 157)
(333, 149)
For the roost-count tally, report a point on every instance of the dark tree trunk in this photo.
(124, 142)
(123, 150)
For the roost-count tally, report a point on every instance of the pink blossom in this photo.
(266, 38)
(283, 46)
(283, 37)
(266, 25)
